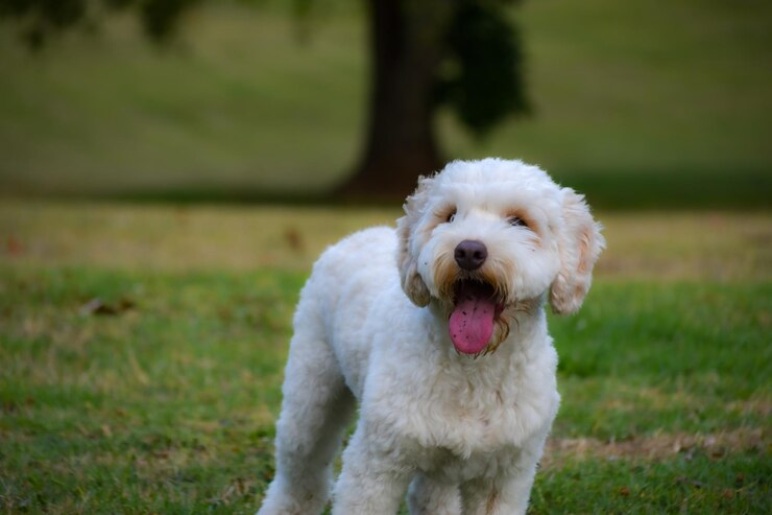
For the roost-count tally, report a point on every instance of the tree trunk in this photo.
(407, 38)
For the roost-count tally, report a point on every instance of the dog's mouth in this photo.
(472, 321)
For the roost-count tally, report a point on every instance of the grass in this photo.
(640, 105)
(143, 347)
(162, 408)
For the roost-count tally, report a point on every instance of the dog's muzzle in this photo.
(473, 319)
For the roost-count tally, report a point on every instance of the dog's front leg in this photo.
(506, 494)
(372, 481)
(496, 497)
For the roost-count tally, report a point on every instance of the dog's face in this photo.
(485, 239)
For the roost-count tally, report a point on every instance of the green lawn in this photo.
(142, 352)
(636, 103)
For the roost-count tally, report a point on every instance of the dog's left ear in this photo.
(412, 284)
(580, 243)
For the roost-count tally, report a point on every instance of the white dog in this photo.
(438, 330)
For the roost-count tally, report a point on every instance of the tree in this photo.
(41, 19)
(424, 54)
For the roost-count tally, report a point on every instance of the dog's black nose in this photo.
(470, 255)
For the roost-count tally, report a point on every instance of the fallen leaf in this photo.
(14, 246)
(97, 306)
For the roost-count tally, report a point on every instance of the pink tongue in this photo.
(471, 323)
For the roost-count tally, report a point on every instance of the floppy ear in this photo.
(412, 284)
(580, 243)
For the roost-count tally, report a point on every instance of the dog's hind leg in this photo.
(316, 409)
(428, 497)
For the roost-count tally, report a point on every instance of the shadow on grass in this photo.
(605, 189)
(679, 189)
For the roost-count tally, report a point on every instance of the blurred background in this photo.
(639, 104)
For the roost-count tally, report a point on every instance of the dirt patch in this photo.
(687, 246)
(655, 447)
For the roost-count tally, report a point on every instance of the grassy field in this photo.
(142, 351)
(636, 103)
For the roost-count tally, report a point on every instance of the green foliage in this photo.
(483, 76)
(40, 19)
(160, 17)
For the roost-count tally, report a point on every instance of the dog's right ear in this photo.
(407, 230)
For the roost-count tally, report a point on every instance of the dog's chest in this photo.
(461, 443)
(446, 464)
(460, 420)
(463, 426)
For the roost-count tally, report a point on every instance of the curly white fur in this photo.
(460, 426)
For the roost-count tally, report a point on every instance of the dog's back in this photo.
(345, 283)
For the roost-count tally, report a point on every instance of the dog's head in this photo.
(484, 239)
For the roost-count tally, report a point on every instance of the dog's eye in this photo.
(451, 216)
(516, 221)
